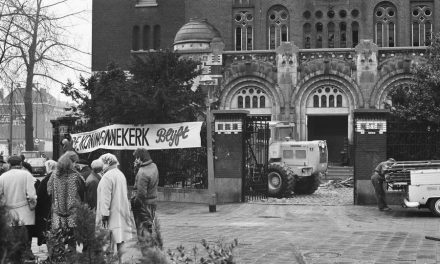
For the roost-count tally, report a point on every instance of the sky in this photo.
(79, 29)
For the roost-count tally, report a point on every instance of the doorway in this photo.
(333, 129)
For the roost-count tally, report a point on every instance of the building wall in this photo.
(113, 21)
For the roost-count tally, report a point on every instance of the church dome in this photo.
(196, 33)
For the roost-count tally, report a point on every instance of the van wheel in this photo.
(280, 180)
(434, 206)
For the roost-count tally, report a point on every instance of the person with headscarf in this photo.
(144, 198)
(42, 211)
(113, 209)
(66, 188)
(18, 193)
(92, 183)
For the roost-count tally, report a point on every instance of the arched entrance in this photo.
(327, 119)
(324, 107)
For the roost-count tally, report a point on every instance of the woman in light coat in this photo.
(113, 209)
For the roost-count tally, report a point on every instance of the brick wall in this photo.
(113, 21)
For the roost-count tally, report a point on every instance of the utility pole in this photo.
(210, 156)
(10, 118)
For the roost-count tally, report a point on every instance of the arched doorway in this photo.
(327, 113)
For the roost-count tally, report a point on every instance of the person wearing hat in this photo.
(378, 179)
(18, 192)
(92, 183)
(144, 196)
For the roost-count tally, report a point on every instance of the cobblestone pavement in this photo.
(323, 196)
(303, 230)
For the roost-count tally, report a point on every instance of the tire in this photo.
(280, 180)
(307, 185)
(434, 206)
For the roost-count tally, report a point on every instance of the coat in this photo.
(42, 211)
(113, 202)
(67, 190)
(146, 181)
(91, 189)
(16, 186)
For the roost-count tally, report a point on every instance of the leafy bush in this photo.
(12, 239)
(94, 240)
(152, 252)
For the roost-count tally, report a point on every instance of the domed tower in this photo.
(197, 34)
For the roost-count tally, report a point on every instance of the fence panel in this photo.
(413, 140)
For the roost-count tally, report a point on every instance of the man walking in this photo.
(19, 195)
(145, 191)
(377, 179)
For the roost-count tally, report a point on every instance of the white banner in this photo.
(123, 137)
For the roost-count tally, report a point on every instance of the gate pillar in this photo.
(61, 129)
(370, 148)
(228, 154)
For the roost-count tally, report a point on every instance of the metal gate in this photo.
(413, 140)
(256, 153)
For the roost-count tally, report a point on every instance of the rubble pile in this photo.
(338, 183)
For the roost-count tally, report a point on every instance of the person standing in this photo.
(66, 188)
(42, 211)
(25, 164)
(18, 191)
(92, 183)
(144, 191)
(378, 179)
(113, 209)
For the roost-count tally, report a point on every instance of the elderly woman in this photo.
(66, 187)
(42, 210)
(113, 209)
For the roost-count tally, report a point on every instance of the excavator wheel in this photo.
(307, 185)
(280, 180)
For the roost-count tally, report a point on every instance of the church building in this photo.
(310, 62)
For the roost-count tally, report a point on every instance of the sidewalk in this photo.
(300, 233)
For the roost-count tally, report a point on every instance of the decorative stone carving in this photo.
(366, 61)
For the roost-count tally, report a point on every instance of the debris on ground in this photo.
(338, 183)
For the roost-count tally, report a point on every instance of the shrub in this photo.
(12, 239)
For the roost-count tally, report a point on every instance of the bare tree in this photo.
(38, 44)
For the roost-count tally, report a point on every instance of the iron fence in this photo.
(413, 140)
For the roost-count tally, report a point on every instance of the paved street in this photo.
(284, 232)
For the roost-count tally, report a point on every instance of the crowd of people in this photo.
(50, 205)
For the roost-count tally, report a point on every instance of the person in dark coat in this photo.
(25, 164)
(92, 183)
(83, 168)
(144, 192)
(42, 211)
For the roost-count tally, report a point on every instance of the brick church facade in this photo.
(310, 62)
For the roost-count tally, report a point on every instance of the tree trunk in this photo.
(28, 109)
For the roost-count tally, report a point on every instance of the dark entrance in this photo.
(333, 129)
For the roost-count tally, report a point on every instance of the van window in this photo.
(300, 154)
(322, 155)
(287, 154)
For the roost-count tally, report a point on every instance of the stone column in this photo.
(370, 142)
(287, 74)
(229, 126)
(366, 68)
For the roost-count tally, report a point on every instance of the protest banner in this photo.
(130, 137)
